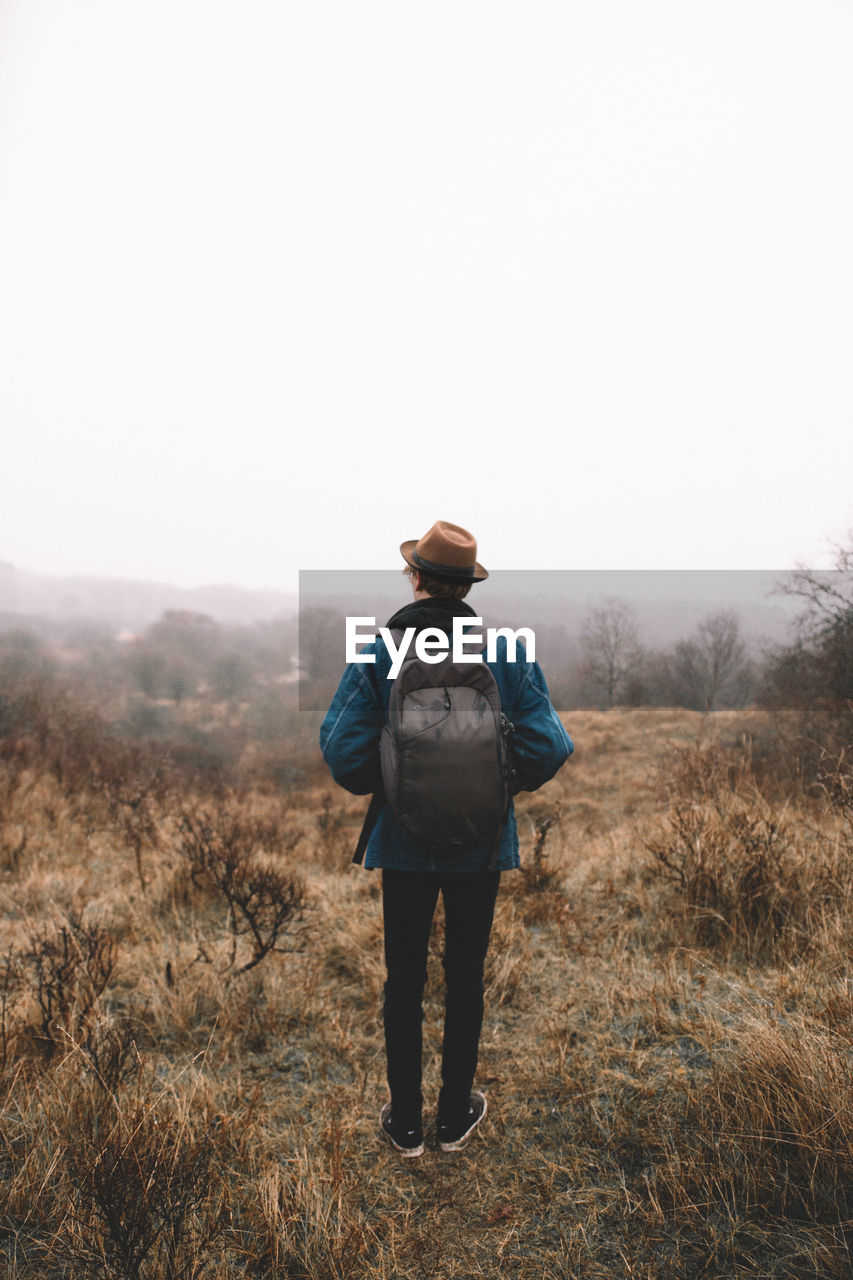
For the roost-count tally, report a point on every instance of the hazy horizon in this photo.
(291, 587)
(283, 285)
(665, 601)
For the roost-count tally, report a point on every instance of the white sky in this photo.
(283, 283)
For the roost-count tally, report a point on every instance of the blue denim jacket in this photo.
(349, 740)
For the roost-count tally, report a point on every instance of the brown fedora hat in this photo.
(448, 551)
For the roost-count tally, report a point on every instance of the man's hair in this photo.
(438, 586)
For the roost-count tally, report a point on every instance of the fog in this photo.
(283, 284)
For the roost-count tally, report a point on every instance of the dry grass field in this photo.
(191, 1047)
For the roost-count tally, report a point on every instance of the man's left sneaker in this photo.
(454, 1134)
(408, 1142)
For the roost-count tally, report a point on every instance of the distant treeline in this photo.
(221, 699)
(183, 655)
(188, 672)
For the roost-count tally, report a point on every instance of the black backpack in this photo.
(445, 755)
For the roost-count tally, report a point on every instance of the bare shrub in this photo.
(70, 967)
(56, 732)
(104, 779)
(138, 1171)
(109, 1052)
(134, 790)
(743, 869)
(230, 856)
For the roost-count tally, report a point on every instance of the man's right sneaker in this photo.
(409, 1142)
(453, 1136)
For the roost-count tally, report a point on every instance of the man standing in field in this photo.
(416, 863)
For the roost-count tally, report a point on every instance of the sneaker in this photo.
(453, 1136)
(409, 1142)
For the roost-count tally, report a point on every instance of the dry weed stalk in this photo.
(539, 875)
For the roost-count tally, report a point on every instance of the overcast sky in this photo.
(283, 283)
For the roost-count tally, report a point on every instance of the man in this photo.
(442, 566)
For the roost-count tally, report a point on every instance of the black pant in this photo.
(408, 900)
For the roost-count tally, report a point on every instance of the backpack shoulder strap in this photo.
(374, 809)
(377, 800)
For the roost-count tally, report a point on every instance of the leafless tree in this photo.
(712, 665)
(827, 595)
(321, 643)
(610, 647)
(816, 670)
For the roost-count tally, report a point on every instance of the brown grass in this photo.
(667, 1045)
